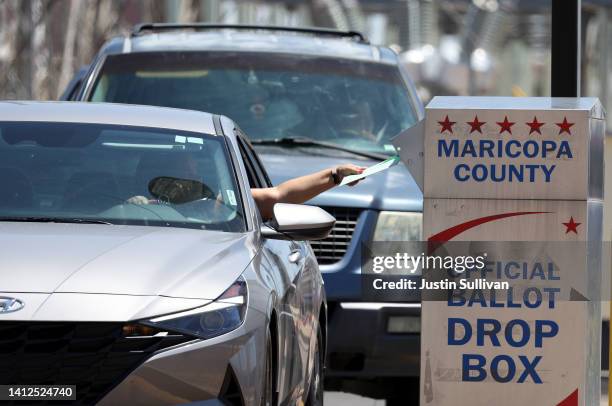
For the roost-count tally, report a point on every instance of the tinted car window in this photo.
(248, 154)
(118, 174)
(254, 180)
(353, 103)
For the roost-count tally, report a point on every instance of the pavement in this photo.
(348, 399)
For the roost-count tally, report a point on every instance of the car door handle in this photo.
(295, 256)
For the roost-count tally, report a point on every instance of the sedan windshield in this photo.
(355, 104)
(111, 174)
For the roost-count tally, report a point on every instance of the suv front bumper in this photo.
(360, 344)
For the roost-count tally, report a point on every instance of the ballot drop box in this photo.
(518, 181)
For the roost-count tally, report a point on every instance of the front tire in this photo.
(268, 390)
(316, 391)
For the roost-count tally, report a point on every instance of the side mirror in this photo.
(298, 222)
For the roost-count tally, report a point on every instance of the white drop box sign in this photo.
(514, 169)
(513, 148)
(564, 369)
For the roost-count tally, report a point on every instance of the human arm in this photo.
(302, 189)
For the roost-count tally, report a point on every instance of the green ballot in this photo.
(379, 167)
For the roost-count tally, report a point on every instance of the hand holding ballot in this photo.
(379, 167)
(304, 188)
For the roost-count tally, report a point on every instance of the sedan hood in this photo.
(394, 189)
(121, 260)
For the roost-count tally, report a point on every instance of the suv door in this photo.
(295, 320)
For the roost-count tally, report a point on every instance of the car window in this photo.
(260, 167)
(118, 174)
(255, 180)
(352, 103)
(262, 176)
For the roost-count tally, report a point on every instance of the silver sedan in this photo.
(136, 267)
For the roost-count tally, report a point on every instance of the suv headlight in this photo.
(398, 226)
(221, 316)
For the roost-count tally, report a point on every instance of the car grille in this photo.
(93, 356)
(333, 248)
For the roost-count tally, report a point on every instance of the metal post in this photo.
(565, 48)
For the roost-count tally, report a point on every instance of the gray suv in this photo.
(308, 99)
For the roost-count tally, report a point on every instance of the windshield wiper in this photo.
(27, 219)
(305, 141)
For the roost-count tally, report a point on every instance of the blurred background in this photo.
(453, 47)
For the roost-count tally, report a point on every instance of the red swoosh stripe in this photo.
(571, 400)
(446, 235)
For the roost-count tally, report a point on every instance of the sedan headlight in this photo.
(221, 316)
(398, 226)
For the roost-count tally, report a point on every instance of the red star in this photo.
(571, 225)
(476, 125)
(564, 126)
(447, 125)
(505, 125)
(534, 126)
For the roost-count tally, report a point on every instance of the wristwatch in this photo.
(335, 177)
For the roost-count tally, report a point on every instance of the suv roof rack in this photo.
(139, 29)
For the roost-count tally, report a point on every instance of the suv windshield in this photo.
(351, 103)
(99, 173)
